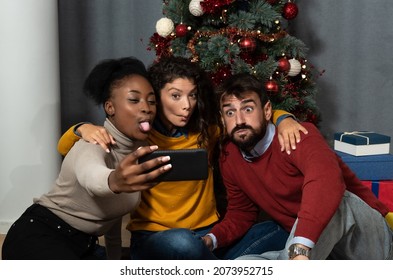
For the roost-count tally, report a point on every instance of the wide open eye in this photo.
(229, 113)
(249, 109)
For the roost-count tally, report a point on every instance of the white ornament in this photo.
(295, 67)
(196, 8)
(165, 26)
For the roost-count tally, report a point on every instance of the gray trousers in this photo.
(355, 232)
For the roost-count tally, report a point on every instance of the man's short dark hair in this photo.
(238, 84)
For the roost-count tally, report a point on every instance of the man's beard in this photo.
(252, 139)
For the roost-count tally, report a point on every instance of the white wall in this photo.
(29, 103)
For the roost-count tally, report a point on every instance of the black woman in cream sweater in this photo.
(95, 189)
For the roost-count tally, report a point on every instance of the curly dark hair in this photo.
(108, 73)
(166, 70)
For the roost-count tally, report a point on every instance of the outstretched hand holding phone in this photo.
(187, 164)
(129, 175)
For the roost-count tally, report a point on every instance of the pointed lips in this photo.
(184, 118)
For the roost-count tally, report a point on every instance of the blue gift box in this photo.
(375, 167)
(362, 143)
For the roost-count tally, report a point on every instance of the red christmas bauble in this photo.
(271, 86)
(283, 65)
(247, 44)
(290, 10)
(181, 30)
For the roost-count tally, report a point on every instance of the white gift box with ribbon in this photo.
(362, 143)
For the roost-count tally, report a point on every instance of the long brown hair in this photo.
(205, 116)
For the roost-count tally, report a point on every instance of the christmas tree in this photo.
(232, 36)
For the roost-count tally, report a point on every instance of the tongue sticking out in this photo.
(144, 126)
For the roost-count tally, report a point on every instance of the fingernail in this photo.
(107, 150)
(168, 166)
(288, 152)
(166, 158)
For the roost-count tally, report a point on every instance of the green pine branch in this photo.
(265, 13)
(242, 20)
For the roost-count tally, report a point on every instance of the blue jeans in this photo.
(355, 232)
(185, 244)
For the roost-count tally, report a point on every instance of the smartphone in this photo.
(187, 164)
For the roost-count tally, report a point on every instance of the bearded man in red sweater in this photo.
(310, 192)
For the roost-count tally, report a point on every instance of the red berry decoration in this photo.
(272, 2)
(247, 44)
(271, 86)
(181, 30)
(283, 65)
(290, 11)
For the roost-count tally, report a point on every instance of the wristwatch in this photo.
(294, 250)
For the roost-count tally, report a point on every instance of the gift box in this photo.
(362, 143)
(375, 167)
(383, 190)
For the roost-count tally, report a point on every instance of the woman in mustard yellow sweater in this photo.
(173, 217)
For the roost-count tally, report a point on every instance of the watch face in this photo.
(294, 251)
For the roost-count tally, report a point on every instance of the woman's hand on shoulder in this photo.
(289, 134)
(130, 176)
(96, 135)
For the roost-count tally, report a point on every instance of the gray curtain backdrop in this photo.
(351, 40)
(93, 30)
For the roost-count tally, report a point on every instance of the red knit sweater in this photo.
(307, 184)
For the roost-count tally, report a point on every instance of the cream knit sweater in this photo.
(81, 195)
